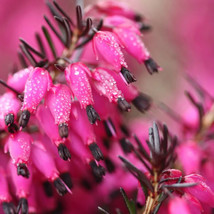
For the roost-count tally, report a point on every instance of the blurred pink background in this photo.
(181, 40)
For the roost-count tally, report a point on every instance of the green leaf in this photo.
(129, 203)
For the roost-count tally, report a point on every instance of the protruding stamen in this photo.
(63, 130)
(9, 208)
(123, 104)
(23, 206)
(142, 102)
(23, 170)
(126, 145)
(96, 152)
(151, 66)
(109, 165)
(97, 170)
(9, 119)
(125, 130)
(86, 184)
(129, 77)
(24, 118)
(64, 152)
(13, 128)
(93, 116)
(66, 177)
(144, 27)
(109, 127)
(48, 189)
(60, 187)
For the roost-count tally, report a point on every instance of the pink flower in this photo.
(59, 103)
(18, 80)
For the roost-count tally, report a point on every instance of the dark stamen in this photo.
(142, 102)
(145, 28)
(64, 152)
(9, 119)
(63, 130)
(97, 170)
(96, 152)
(93, 116)
(123, 104)
(125, 130)
(106, 143)
(126, 145)
(23, 170)
(24, 118)
(60, 187)
(109, 127)
(48, 189)
(129, 77)
(109, 165)
(13, 128)
(86, 184)
(22, 206)
(151, 66)
(66, 177)
(9, 208)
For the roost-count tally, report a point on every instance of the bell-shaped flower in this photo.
(9, 107)
(106, 46)
(47, 125)
(201, 191)
(38, 83)
(132, 42)
(59, 102)
(19, 146)
(77, 78)
(22, 187)
(106, 85)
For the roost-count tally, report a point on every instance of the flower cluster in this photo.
(62, 125)
(51, 103)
